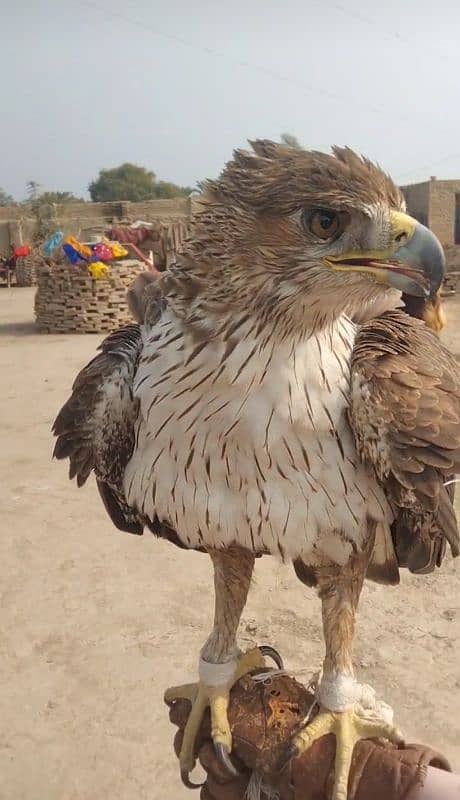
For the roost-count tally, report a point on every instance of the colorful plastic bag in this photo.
(52, 243)
(117, 250)
(102, 251)
(82, 249)
(71, 254)
(98, 270)
(22, 251)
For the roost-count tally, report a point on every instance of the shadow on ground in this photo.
(18, 328)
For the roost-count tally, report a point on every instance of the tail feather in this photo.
(420, 539)
(383, 566)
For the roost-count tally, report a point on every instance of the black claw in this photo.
(187, 782)
(224, 757)
(290, 752)
(270, 652)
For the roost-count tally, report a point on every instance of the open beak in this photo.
(414, 263)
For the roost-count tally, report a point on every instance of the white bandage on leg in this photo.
(338, 692)
(215, 675)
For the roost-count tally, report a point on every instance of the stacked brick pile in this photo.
(26, 269)
(69, 300)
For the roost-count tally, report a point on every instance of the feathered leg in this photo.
(348, 710)
(221, 663)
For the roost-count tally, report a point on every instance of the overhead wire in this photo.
(268, 71)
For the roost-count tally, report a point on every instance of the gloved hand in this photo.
(263, 716)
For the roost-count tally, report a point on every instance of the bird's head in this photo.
(300, 237)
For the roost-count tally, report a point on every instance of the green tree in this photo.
(126, 182)
(291, 140)
(131, 182)
(165, 190)
(5, 198)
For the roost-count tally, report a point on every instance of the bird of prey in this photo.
(247, 415)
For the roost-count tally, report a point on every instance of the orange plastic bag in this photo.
(82, 250)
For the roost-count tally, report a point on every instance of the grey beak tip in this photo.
(424, 250)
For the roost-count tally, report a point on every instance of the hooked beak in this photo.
(414, 263)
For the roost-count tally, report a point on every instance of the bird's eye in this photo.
(323, 223)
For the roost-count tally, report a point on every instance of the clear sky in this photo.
(175, 85)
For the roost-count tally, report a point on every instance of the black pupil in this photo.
(326, 220)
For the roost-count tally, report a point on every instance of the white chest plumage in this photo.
(250, 444)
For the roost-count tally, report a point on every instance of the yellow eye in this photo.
(323, 223)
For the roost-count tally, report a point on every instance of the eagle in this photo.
(247, 414)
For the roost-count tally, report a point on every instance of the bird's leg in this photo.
(348, 710)
(221, 663)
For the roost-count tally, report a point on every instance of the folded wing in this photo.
(95, 427)
(405, 417)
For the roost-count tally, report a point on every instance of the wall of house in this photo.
(442, 209)
(18, 224)
(433, 203)
(417, 197)
(4, 239)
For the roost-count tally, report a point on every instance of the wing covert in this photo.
(405, 418)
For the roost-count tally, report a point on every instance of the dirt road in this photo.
(96, 623)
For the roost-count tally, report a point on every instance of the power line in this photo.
(372, 22)
(210, 51)
(267, 71)
(363, 18)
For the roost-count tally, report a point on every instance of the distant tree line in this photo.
(130, 182)
(5, 198)
(126, 182)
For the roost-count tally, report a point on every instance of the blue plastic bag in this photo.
(71, 254)
(52, 243)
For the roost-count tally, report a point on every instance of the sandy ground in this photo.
(96, 623)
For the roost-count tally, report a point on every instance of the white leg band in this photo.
(338, 692)
(214, 675)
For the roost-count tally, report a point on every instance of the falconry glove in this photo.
(264, 714)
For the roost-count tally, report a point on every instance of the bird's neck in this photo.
(272, 314)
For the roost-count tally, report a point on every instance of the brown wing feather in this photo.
(95, 427)
(405, 417)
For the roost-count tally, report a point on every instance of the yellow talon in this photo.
(217, 698)
(348, 727)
